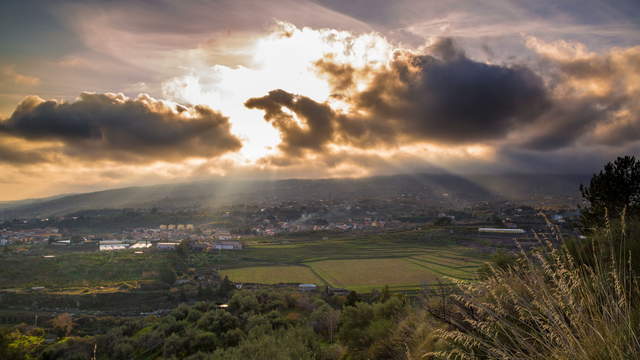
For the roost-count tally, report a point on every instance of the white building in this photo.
(307, 287)
(228, 245)
(501, 231)
(113, 247)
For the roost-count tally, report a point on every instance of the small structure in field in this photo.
(228, 245)
(167, 246)
(307, 287)
(501, 230)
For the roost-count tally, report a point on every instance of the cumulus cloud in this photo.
(595, 96)
(441, 97)
(121, 129)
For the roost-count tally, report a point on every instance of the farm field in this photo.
(272, 274)
(79, 268)
(364, 274)
(403, 260)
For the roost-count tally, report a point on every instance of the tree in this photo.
(226, 287)
(63, 323)
(612, 191)
(167, 275)
(352, 298)
(443, 221)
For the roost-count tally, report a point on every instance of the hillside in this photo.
(446, 190)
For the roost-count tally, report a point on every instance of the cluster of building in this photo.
(270, 228)
(164, 237)
(29, 236)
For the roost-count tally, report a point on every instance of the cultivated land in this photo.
(403, 260)
(272, 274)
(72, 269)
(366, 273)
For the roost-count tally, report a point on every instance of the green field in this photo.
(402, 260)
(70, 269)
(371, 273)
(272, 274)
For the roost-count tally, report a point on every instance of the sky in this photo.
(104, 94)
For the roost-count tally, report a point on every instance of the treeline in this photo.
(261, 324)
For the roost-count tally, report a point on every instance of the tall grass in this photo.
(551, 306)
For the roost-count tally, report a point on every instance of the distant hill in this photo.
(444, 190)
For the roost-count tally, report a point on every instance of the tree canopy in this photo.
(613, 190)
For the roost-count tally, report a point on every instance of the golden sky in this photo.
(99, 95)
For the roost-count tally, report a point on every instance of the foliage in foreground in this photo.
(611, 192)
(550, 307)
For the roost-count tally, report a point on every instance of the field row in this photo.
(363, 274)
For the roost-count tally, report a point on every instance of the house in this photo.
(113, 247)
(141, 245)
(110, 242)
(228, 245)
(223, 235)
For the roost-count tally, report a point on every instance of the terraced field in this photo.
(400, 260)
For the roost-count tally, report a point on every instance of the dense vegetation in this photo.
(263, 324)
(612, 193)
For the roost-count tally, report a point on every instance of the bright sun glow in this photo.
(281, 60)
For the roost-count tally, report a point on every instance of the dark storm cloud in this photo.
(441, 97)
(444, 97)
(12, 155)
(319, 120)
(114, 127)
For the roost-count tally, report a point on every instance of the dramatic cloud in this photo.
(346, 88)
(114, 127)
(442, 97)
(11, 155)
(595, 97)
(319, 119)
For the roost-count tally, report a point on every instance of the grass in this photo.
(552, 305)
(273, 275)
(402, 260)
(372, 273)
(77, 268)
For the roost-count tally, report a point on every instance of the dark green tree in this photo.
(226, 287)
(352, 299)
(612, 190)
(167, 275)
